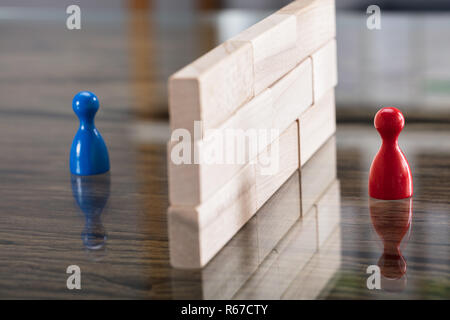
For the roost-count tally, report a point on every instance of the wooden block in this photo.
(282, 265)
(193, 184)
(274, 48)
(255, 116)
(197, 234)
(292, 95)
(316, 125)
(324, 69)
(282, 160)
(275, 108)
(316, 23)
(217, 84)
(225, 273)
(328, 212)
(184, 179)
(287, 37)
(242, 255)
(233, 265)
(213, 87)
(317, 174)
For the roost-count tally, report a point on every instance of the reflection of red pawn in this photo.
(391, 220)
(390, 176)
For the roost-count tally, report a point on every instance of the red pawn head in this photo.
(390, 175)
(389, 122)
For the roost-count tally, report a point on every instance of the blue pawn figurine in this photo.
(88, 155)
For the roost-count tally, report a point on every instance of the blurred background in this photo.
(137, 44)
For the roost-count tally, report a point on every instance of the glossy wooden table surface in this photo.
(123, 252)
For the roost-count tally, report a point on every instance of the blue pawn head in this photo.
(88, 155)
(85, 105)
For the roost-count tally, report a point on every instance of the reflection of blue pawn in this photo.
(88, 155)
(91, 195)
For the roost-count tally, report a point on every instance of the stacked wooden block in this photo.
(279, 74)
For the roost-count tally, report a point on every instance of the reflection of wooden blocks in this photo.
(242, 255)
(312, 244)
(277, 254)
(316, 275)
(316, 125)
(278, 215)
(228, 270)
(276, 273)
(314, 280)
(317, 174)
(328, 212)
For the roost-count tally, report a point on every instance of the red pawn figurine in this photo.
(390, 176)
